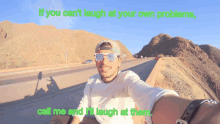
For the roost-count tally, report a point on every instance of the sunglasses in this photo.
(111, 56)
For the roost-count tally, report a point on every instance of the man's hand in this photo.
(212, 116)
(170, 108)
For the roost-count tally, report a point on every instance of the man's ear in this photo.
(119, 60)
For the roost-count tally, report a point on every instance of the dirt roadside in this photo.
(170, 73)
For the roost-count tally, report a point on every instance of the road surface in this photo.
(58, 89)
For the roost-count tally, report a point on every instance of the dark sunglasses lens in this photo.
(99, 57)
(111, 57)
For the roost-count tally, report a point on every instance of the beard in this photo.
(108, 74)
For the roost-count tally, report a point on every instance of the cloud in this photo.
(60, 22)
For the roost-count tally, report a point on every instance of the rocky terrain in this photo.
(202, 64)
(173, 74)
(212, 52)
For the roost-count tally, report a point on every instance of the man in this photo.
(112, 89)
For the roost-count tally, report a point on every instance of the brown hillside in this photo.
(213, 53)
(3, 34)
(173, 74)
(190, 54)
(33, 45)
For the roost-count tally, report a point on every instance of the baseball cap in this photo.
(115, 46)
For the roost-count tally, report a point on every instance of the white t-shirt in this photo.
(120, 94)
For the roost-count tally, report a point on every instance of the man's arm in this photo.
(212, 116)
(165, 108)
(84, 103)
(76, 120)
(169, 108)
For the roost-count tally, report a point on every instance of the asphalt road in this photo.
(65, 90)
(19, 77)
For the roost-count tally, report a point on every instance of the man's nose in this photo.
(105, 59)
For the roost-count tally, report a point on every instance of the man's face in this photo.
(106, 68)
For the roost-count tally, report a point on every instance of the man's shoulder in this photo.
(126, 72)
(129, 73)
(128, 76)
(92, 78)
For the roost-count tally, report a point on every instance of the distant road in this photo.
(8, 79)
(9, 72)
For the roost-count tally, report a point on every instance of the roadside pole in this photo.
(66, 59)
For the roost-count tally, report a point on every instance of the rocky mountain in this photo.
(27, 45)
(202, 64)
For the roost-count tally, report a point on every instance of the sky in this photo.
(134, 32)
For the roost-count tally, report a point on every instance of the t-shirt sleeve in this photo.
(85, 101)
(143, 94)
